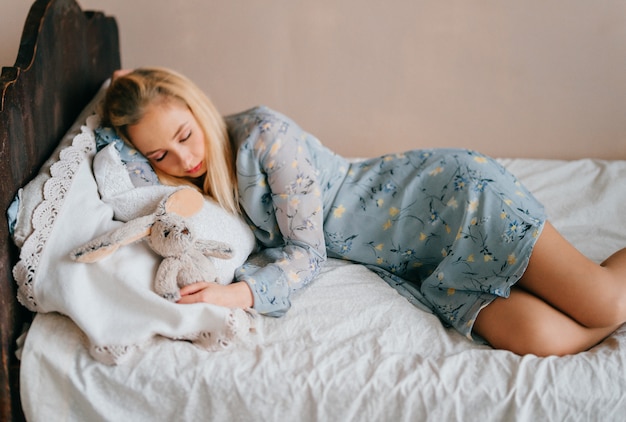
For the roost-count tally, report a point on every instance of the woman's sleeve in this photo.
(288, 176)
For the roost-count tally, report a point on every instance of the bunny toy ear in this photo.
(184, 202)
(108, 243)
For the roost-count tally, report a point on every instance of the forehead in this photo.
(160, 124)
(165, 109)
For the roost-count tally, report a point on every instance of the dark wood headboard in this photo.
(65, 55)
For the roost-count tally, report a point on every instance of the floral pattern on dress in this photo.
(450, 229)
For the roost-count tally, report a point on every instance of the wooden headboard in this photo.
(65, 55)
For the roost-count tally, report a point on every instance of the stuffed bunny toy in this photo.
(186, 259)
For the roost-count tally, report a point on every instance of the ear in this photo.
(214, 248)
(106, 244)
(184, 202)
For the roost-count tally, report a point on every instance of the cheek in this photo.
(198, 146)
(159, 166)
(165, 165)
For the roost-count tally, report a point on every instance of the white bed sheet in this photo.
(351, 348)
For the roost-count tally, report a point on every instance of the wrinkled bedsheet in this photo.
(352, 349)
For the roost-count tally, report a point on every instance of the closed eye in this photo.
(187, 136)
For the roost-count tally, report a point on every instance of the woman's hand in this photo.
(234, 295)
(120, 72)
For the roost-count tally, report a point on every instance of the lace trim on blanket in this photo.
(55, 190)
(239, 325)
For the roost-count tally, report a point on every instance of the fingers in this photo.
(235, 295)
(193, 288)
(120, 72)
(193, 293)
(186, 300)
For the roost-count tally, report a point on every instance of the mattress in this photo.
(352, 348)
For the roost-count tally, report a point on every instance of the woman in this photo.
(450, 226)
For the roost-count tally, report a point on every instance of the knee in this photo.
(609, 312)
(611, 315)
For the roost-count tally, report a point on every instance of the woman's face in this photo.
(170, 137)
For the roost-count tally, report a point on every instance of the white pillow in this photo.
(111, 301)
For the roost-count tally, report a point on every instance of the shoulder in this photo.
(255, 116)
(254, 124)
(261, 117)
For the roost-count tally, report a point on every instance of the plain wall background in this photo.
(534, 78)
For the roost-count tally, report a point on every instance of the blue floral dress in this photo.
(450, 229)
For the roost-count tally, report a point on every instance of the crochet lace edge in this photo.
(55, 189)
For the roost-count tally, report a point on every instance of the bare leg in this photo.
(525, 324)
(565, 303)
(593, 295)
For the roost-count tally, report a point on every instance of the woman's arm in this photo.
(280, 194)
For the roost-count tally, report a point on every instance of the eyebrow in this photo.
(178, 131)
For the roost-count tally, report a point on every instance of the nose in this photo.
(185, 158)
(188, 163)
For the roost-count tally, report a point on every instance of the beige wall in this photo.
(534, 78)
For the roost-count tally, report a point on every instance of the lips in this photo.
(194, 170)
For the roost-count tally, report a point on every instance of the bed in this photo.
(366, 354)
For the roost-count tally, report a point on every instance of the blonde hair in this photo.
(125, 105)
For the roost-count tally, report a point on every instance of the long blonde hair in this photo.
(125, 105)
